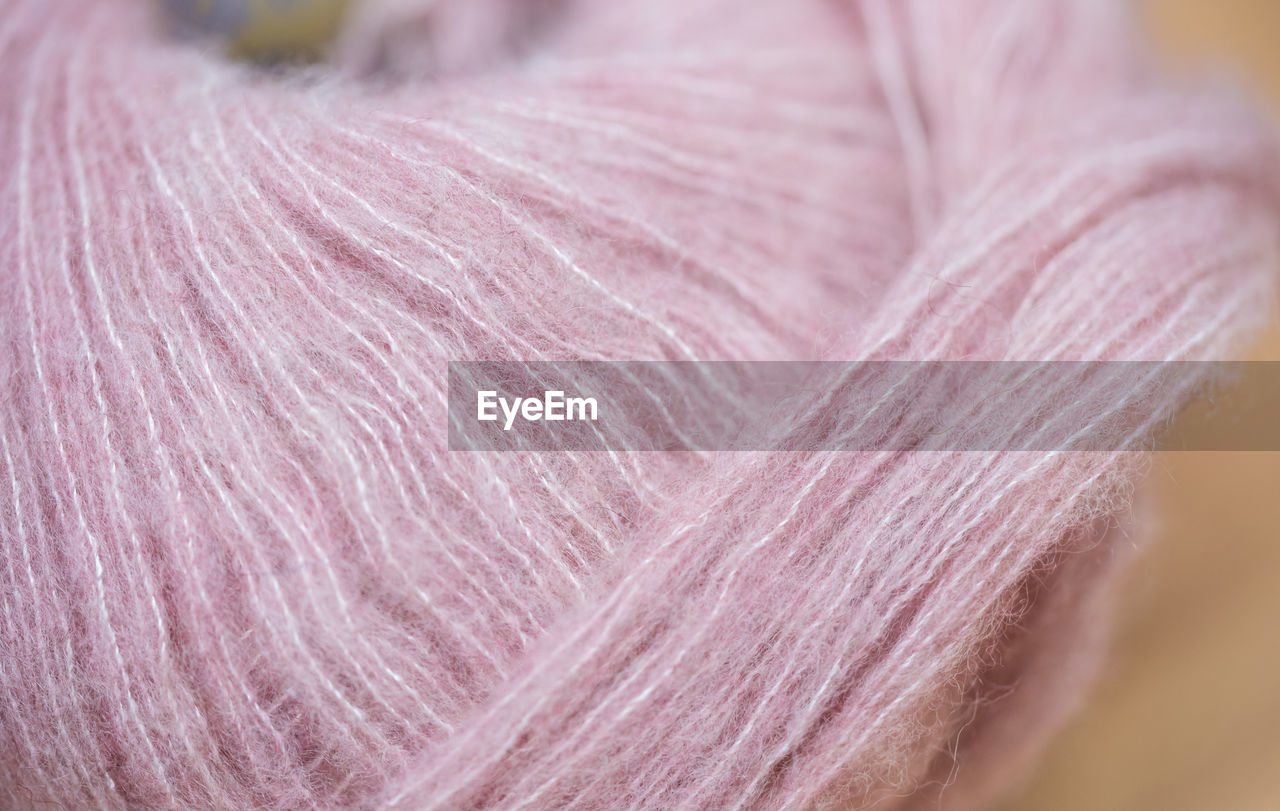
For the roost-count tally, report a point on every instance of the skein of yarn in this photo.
(240, 567)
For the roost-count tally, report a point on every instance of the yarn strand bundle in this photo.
(240, 568)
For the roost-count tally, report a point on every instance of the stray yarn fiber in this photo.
(239, 567)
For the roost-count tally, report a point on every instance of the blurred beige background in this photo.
(1187, 716)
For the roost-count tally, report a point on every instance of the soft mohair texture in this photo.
(241, 569)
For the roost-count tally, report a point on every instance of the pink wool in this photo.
(239, 567)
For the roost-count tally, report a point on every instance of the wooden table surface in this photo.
(1187, 715)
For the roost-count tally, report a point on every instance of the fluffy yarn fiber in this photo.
(239, 567)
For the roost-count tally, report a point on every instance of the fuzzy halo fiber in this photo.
(239, 567)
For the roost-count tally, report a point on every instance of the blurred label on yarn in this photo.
(261, 30)
(864, 406)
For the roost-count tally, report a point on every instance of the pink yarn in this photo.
(239, 566)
